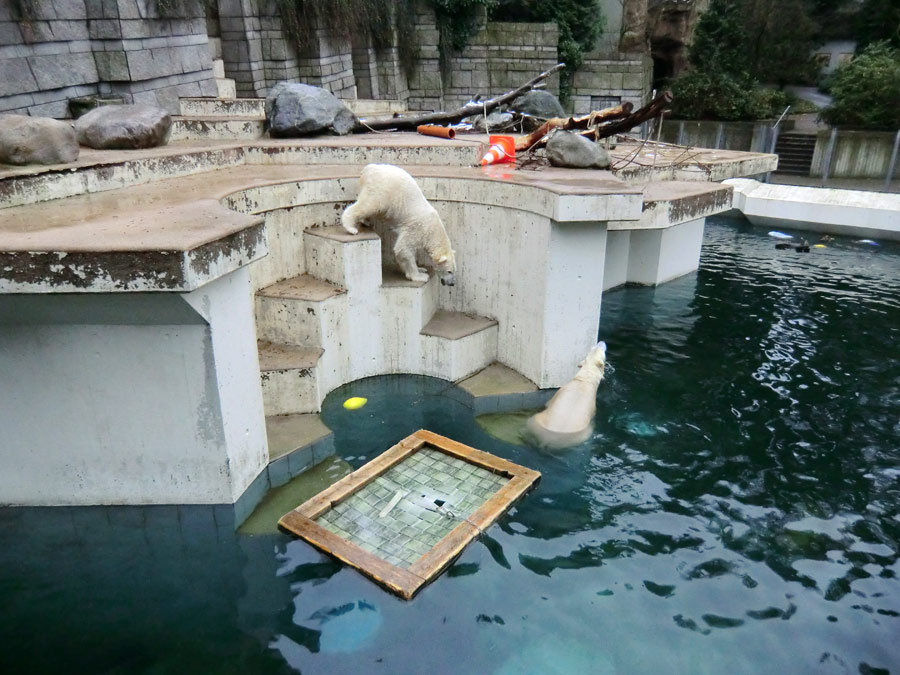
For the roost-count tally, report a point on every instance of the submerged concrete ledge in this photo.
(849, 212)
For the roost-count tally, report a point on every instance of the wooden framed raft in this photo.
(405, 516)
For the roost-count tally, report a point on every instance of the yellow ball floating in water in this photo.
(355, 402)
(818, 245)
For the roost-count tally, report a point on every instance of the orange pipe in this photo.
(434, 130)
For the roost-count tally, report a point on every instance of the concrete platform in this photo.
(288, 433)
(643, 163)
(496, 380)
(455, 325)
(303, 287)
(870, 215)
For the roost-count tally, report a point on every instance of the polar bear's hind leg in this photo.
(350, 218)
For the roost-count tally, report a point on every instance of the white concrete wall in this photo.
(501, 263)
(851, 212)
(615, 268)
(97, 411)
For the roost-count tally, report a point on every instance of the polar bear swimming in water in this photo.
(568, 418)
(389, 194)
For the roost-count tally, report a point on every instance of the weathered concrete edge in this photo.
(118, 271)
(847, 212)
(61, 182)
(663, 213)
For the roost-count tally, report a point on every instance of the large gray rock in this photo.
(36, 140)
(577, 152)
(124, 127)
(538, 103)
(494, 120)
(294, 109)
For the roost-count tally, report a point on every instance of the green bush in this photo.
(866, 90)
(715, 95)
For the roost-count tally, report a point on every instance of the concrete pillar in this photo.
(571, 302)
(137, 398)
(657, 256)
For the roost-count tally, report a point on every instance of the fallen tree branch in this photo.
(648, 112)
(584, 122)
(621, 124)
(468, 110)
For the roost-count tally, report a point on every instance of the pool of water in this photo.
(736, 511)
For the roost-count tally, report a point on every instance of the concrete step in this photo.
(345, 260)
(296, 443)
(299, 311)
(367, 107)
(230, 107)
(289, 378)
(218, 128)
(226, 87)
(404, 307)
(456, 345)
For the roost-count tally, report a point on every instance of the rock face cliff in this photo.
(670, 27)
(634, 26)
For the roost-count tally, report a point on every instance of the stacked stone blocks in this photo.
(100, 47)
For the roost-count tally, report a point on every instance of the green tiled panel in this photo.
(415, 523)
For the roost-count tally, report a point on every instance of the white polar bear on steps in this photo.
(388, 194)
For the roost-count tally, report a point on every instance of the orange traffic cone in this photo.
(503, 151)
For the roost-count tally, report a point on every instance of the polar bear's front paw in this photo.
(351, 229)
(417, 276)
(423, 270)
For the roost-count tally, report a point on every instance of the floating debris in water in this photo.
(868, 242)
(780, 235)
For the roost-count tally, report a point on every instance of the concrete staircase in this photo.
(229, 118)
(795, 153)
(344, 317)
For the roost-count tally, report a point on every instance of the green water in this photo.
(736, 511)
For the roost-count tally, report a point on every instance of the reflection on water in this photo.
(737, 510)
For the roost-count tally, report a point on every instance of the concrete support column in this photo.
(652, 257)
(130, 398)
(571, 302)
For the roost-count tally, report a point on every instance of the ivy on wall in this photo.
(379, 19)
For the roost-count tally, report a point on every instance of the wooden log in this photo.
(583, 122)
(653, 109)
(617, 126)
(486, 107)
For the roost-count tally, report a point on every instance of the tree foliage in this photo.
(878, 20)
(738, 44)
(866, 90)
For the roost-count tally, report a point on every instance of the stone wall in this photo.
(108, 47)
(500, 57)
(426, 90)
(608, 78)
(125, 48)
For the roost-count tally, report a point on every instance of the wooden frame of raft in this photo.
(406, 582)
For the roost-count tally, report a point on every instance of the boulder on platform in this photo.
(539, 103)
(294, 109)
(36, 140)
(494, 120)
(124, 127)
(567, 149)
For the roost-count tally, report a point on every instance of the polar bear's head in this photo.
(594, 364)
(445, 264)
